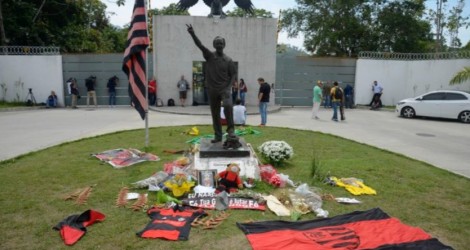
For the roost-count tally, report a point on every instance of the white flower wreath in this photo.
(276, 151)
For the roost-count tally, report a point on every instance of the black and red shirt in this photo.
(169, 223)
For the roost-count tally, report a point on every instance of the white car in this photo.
(447, 104)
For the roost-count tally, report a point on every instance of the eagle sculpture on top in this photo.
(216, 6)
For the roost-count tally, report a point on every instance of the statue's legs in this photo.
(228, 111)
(215, 103)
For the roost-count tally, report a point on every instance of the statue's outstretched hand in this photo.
(190, 28)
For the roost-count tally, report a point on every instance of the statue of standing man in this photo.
(220, 73)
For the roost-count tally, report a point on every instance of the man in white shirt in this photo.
(239, 113)
(377, 89)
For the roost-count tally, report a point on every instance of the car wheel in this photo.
(465, 116)
(408, 112)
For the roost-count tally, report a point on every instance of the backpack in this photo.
(338, 93)
(171, 102)
(159, 102)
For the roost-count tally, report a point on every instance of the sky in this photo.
(122, 14)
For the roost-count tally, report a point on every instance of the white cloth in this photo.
(239, 114)
(316, 107)
(222, 114)
(276, 206)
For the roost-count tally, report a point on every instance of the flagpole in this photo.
(147, 82)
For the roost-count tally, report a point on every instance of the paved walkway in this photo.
(444, 144)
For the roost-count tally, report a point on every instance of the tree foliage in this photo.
(461, 76)
(347, 27)
(171, 9)
(74, 26)
(259, 13)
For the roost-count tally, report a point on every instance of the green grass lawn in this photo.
(33, 187)
(4, 104)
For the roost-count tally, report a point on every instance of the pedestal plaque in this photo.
(214, 156)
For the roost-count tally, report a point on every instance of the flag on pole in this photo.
(135, 58)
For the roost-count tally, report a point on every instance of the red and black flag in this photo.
(372, 229)
(135, 58)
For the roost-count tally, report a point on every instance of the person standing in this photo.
(75, 94)
(348, 96)
(235, 91)
(377, 90)
(317, 97)
(90, 83)
(337, 96)
(239, 113)
(69, 84)
(263, 98)
(112, 83)
(220, 74)
(183, 87)
(152, 91)
(326, 95)
(243, 91)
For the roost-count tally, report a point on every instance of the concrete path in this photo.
(445, 144)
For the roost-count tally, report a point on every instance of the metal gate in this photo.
(103, 66)
(296, 76)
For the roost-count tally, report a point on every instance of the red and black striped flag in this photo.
(372, 229)
(135, 57)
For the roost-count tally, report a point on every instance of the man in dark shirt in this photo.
(263, 98)
(90, 83)
(348, 95)
(220, 74)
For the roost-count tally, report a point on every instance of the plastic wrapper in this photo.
(267, 172)
(309, 197)
(285, 180)
(152, 181)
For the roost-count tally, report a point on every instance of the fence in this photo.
(29, 50)
(414, 56)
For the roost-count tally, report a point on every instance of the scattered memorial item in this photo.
(120, 158)
(208, 201)
(170, 223)
(73, 227)
(372, 229)
(206, 178)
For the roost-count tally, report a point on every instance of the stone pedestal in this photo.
(214, 156)
(209, 150)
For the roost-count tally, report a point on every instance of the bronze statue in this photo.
(216, 6)
(220, 73)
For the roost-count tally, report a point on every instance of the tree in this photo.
(461, 76)
(259, 13)
(171, 9)
(400, 27)
(448, 22)
(329, 27)
(334, 27)
(456, 20)
(74, 26)
(3, 39)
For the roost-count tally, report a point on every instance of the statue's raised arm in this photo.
(196, 39)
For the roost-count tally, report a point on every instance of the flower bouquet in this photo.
(276, 152)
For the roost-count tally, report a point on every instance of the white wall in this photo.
(41, 73)
(405, 79)
(249, 41)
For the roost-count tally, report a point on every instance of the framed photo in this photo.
(206, 178)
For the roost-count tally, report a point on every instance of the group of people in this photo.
(336, 97)
(348, 96)
(90, 84)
